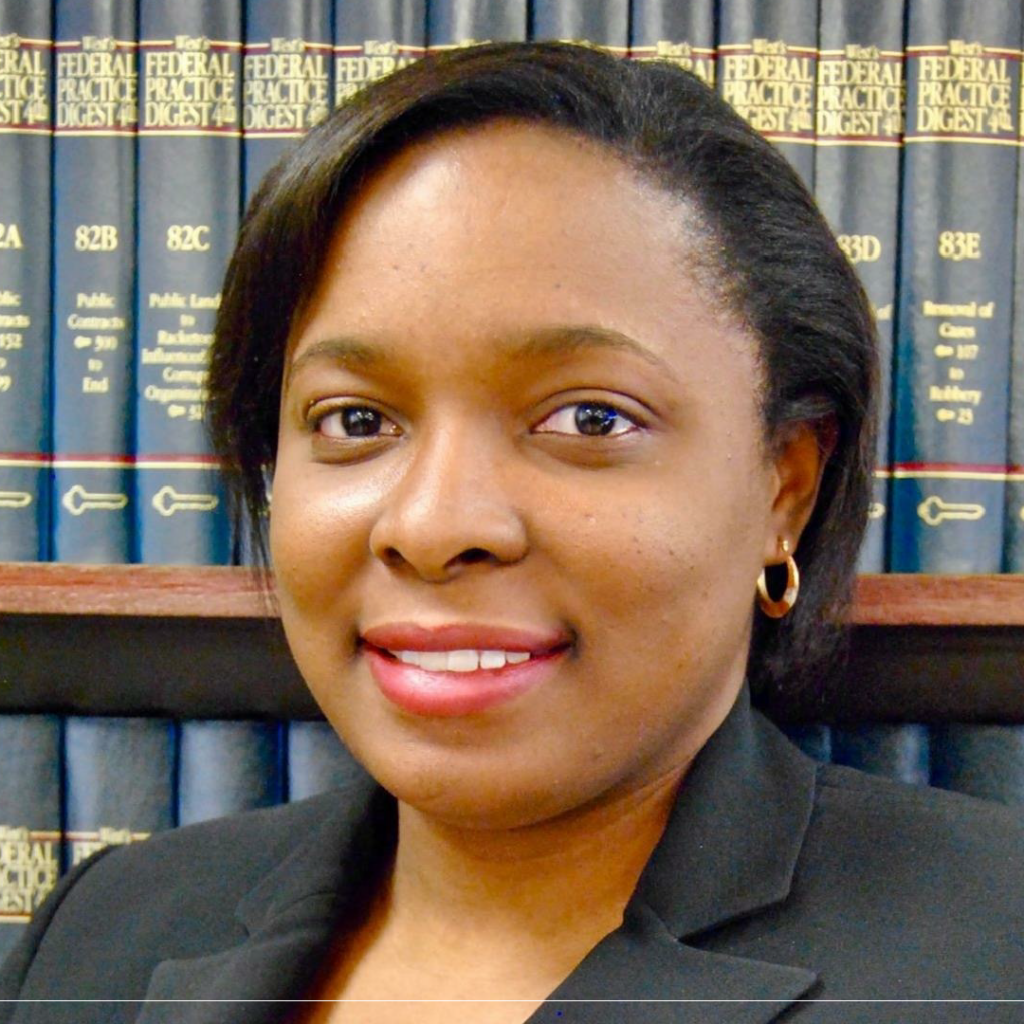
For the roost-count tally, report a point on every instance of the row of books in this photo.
(71, 786)
(160, 118)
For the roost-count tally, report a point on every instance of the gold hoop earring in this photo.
(776, 609)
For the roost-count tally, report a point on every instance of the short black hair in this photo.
(775, 261)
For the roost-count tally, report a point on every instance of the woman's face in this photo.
(510, 407)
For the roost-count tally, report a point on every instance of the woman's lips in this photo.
(449, 694)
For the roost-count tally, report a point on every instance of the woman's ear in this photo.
(804, 449)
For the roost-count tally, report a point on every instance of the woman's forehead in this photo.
(510, 227)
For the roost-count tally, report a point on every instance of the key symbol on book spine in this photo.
(78, 500)
(15, 499)
(167, 501)
(934, 510)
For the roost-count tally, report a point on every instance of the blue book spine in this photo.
(814, 739)
(602, 23)
(26, 64)
(30, 827)
(119, 782)
(1013, 554)
(767, 68)
(286, 79)
(899, 751)
(372, 40)
(986, 761)
(226, 767)
(956, 287)
(189, 166)
(859, 136)
(463, 22)
(317, 760)
(95, 118)
(681, 33)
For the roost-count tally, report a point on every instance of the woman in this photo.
(552, 359)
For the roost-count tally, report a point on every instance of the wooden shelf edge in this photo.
(214, 592)
(922, 600)
(210, 592)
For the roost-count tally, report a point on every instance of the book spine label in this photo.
(463, 22)
(956, 288)
(317, 760)
(286, 79)
(372, 40)
(26, 64)
(859, 135)
(602, 23)
(30, 828)
(767, 69)
(119, 782)
(95, 118)
(681, 33)
(189, 191)
(227, 767)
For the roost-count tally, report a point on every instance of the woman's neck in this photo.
(552, 889)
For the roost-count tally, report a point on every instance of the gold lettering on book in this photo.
(771, 87)
(861, 94)
(967, 90)
(285, 90)
(24, 84)
(353, 69)
(190, 87)
(97, 86)
(29, 865)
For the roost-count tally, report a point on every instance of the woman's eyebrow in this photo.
(544, 342)
(568, 338)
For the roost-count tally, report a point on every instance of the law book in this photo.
(30, 825)
(226, 767)
(858, 141)
(956, 287)
(813, 738)
(897, 750)
(453, 23)
(603, 23)
(767, 68)
(95, 119)
(118, 784)
(986, 761)
(189, 159)
(373, 39)
(1013, 546)
(317, 760)
(26, 52)
(286, 80)
(683, 34)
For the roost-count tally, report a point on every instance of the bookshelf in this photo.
(204, 642)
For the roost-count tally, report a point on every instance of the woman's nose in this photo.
(451, 508)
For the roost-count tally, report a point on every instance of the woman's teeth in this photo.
(460, 661)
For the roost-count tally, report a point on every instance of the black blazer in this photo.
(778, 885)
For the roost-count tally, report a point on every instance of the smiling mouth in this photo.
(464, 660)
(463, 681)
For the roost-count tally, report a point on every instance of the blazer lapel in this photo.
(729, 850)
(642, 974)
(290, 919)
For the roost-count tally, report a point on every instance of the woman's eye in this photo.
(354, 421)
(589, 419)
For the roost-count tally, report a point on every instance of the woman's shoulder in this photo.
(177, 894)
